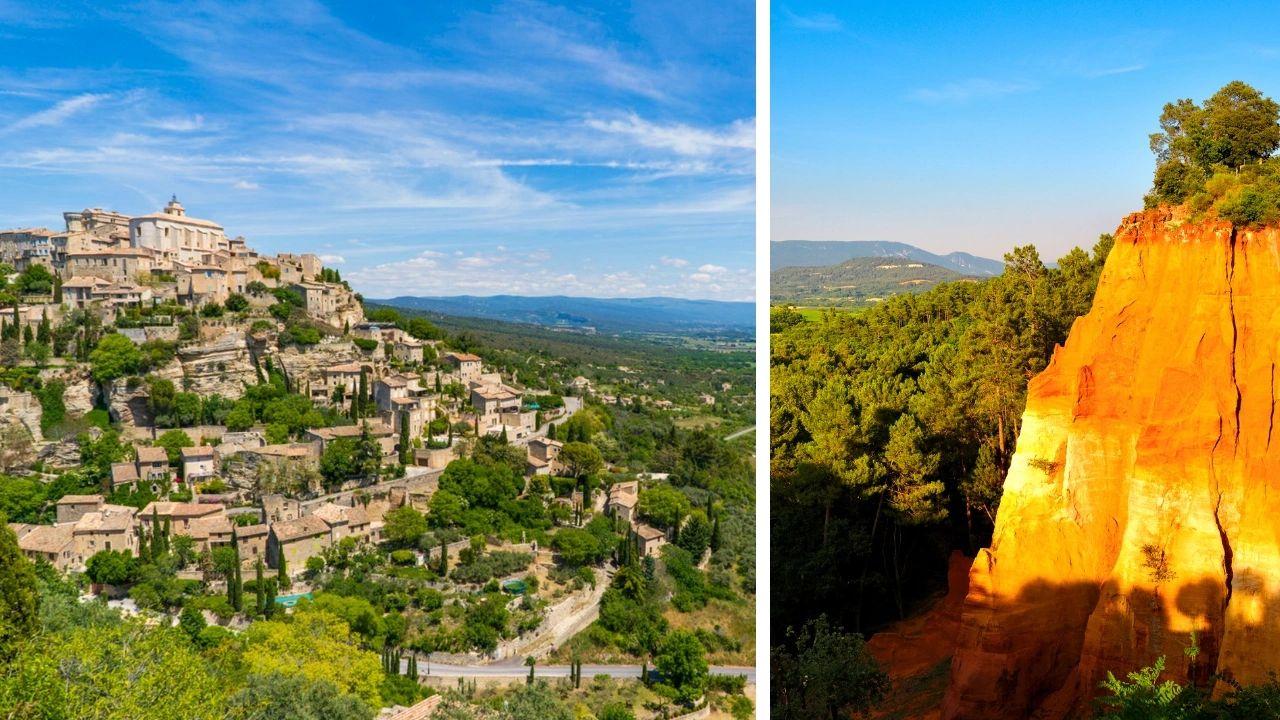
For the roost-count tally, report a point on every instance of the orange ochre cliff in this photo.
(1139, 507)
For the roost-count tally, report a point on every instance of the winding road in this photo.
(517, 669)
(740, 433)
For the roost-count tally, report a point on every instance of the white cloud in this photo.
(971, 89)
(817, 22)
(680, 138)
(187, 123)
(332, 259)
(246, 185)
(673, 261)
(712, 269)
(700, 277)
(59, 113)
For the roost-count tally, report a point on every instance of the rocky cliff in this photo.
(1138, 509)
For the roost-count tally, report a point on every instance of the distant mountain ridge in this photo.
(814, 253)
(856, 283)
(603, 315)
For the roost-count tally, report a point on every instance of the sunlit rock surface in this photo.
(1139, 507)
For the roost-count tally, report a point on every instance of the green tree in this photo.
(825, 673)
(111, 567)
(191, 621)
(173, 441)
(404, 526)
(19, 611)
(682, 661)
(580, 459)
(664, 505)
(114, 357)
(536, 701)
(277, 696)
(315, 645)
(577, 547)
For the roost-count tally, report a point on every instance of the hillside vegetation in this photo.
(859, 282)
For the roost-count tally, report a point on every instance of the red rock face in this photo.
(1139, 506)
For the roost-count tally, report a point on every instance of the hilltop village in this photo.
(179, 411)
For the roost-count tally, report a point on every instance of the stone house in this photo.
(110, 527)
(180, 515)
(547, 451)
(198, 464)
(623, 499)
(298, 540)
(53, 544)
(467, 365)
(651, 539)
(70, 508)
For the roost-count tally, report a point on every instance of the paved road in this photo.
(740, 433)
(517, 669)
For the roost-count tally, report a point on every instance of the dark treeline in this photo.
(892, 430)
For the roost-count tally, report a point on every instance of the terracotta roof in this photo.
(180, 510)
(421, 711)
(122, 473)
(105, 521)
(649, 533)
(84, 281)
(79, 499)
(547, 442)
(47, 539)
(331, 513)
(345, 368)
(197, 452)
(462, 357)
(536, 461)
(250, 531)
(148, 454)
(394, 381)
(203, 528)
(303, 527)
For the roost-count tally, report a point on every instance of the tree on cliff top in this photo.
(1236, 127)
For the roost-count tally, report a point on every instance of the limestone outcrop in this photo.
(1139, 509)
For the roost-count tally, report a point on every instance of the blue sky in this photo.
(980, 126)
(600, 149)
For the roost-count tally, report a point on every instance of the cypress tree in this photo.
(444, 559)
(363, 392)
(551, 431)
(258, 590)
(406, 453)
(57, 290)
(270, 609)
(281, 573)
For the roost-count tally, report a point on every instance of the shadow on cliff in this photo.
(1043, 652)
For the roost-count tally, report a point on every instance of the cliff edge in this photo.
(1138, 508)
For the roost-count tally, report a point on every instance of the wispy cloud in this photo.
(57, 114)
(683, 139)
(816, 22)
(529, 125)
(1122, 70)
(971, 89)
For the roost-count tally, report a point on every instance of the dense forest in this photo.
(892, 430)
